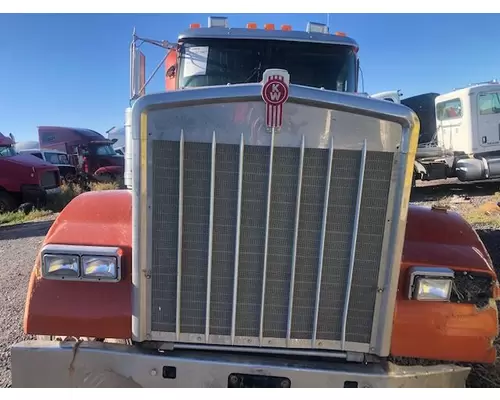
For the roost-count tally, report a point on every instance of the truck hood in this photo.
(30, 161)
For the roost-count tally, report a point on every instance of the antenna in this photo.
(328, 22)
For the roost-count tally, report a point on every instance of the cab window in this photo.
(449, 109)
(489, 103)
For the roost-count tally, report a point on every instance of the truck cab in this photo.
(464, 127)
(89, 151)
(58, 158)
(265, 238)
(24, 178)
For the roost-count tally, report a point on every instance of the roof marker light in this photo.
(194, 25)
(217, 22)
(251, 25)
(286, 27)
(340, 34)
(316, 27)
(269, 27)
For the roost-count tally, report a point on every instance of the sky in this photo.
(73, 69)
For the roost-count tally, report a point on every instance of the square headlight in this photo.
(100, 267)
(83, 263)
(61, 265)
(430, 284)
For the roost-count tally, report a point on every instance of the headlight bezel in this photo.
(81, 251)
(431, 273)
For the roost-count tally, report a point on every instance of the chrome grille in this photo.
(187, 202)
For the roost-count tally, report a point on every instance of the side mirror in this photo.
(114, 140)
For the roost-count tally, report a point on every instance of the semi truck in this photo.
(24, 178)
(89, 151)
(459, 132)
(265, 238)
(467, 135)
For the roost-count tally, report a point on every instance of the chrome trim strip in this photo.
(384, 267)
(295, 241)
(260, 350)
(267, 342)
(347, 102)
(354, 242)
(210, 238)
(237, 246)
(266, 239)
(141, 285)
(322, 241)
(179, 236)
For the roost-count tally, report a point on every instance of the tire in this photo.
(7, 202)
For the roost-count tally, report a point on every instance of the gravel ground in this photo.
(18, 249)
(20, 244)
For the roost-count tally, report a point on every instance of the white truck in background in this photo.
(460, 132)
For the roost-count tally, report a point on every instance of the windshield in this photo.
(56, 158)
(7, 151)
(208, 62)
(102, 150)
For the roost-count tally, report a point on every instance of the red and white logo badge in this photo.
(275, 84)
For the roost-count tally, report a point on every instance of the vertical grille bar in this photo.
(237, 245)
(295, 241)
(210, 239)
(179, 236)
(322, 242)
(266, 240)
(353, 244)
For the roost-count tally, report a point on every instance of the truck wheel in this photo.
(7, 202)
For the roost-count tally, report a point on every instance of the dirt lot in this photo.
(19, 245)
(18, 248)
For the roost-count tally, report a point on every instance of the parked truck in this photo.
(89, 151)
(266, 237)
(467, 135)
(459, 132)
(24, 178)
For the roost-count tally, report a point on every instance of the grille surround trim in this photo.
(382, 319)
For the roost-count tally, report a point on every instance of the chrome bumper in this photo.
(94, 364)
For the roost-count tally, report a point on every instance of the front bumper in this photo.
(95, 364)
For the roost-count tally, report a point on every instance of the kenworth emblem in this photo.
(275, 93)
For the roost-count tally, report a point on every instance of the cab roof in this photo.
(262, 34)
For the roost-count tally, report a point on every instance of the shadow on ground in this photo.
(25, 230)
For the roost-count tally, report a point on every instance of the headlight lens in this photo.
(99, 267)
(61, 265)
(432, 289)
(90, 263)
(430, 283)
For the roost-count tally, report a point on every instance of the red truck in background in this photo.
(24, 178)
(88, 150)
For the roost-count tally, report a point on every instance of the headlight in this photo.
(430, 284)
(90, 263)
(99, 267)
(63, 265)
